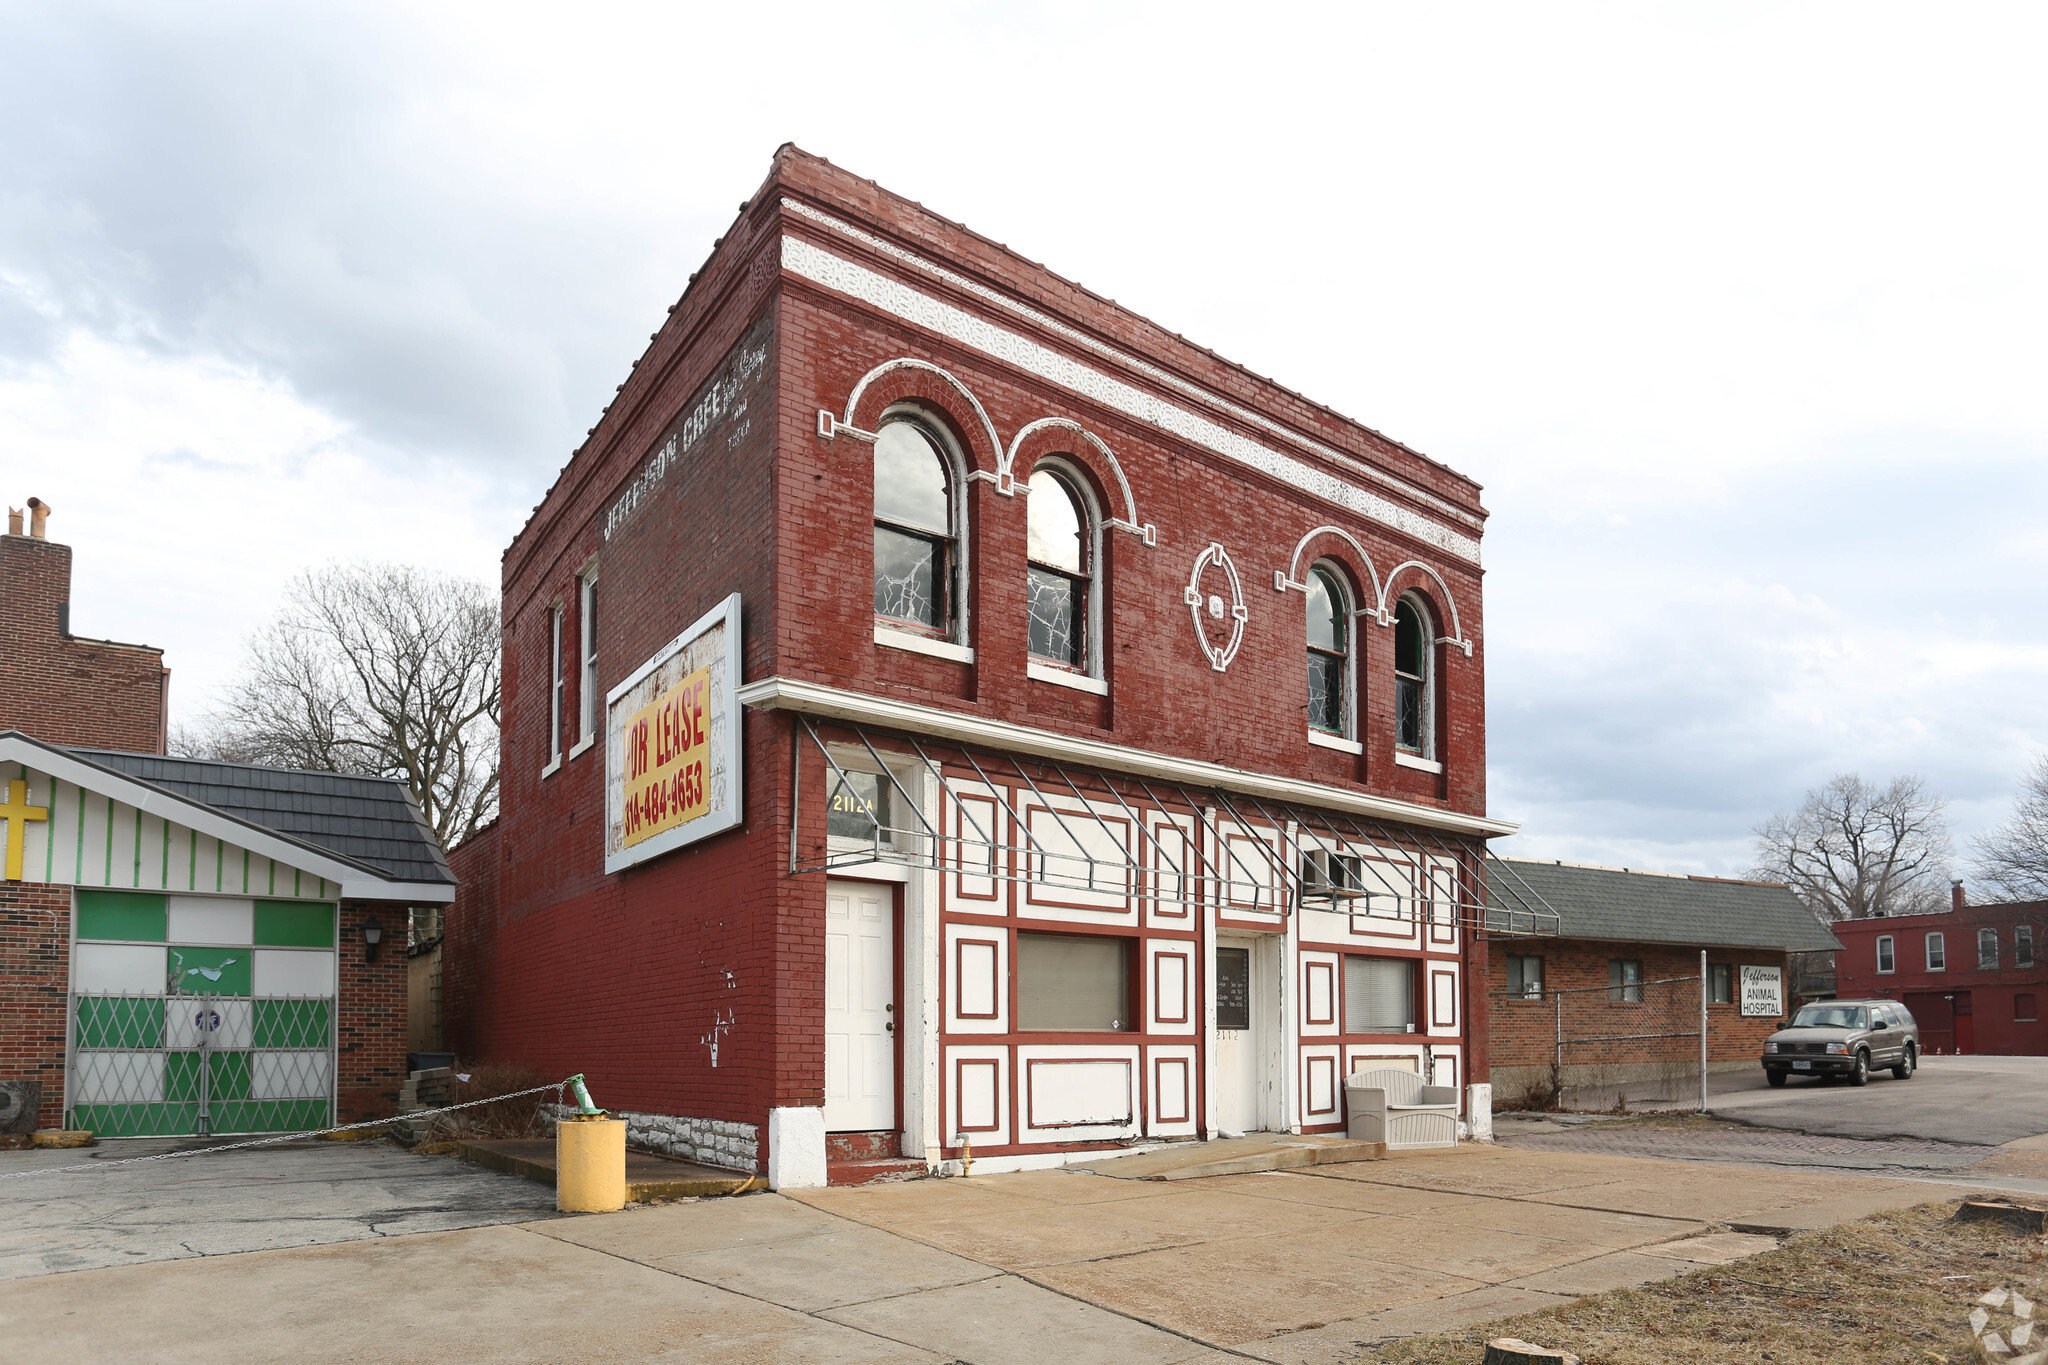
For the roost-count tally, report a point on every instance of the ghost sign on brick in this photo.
(672, 765)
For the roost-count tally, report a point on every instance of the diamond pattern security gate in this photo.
(201, 1015)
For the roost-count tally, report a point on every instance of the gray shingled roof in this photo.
(372, 820)
(1620, 906)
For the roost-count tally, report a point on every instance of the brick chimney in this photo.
(1956, 900)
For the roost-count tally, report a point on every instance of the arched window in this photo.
(1061, 570)
(1414, 647)
(914, 536)
(1329, 651)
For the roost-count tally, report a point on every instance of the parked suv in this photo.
(1844, 1038)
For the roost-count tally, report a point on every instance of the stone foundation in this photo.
(709, 1142)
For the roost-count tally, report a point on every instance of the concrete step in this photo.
(874, 1170)
(1237, 1156)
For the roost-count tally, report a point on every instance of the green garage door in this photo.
(201, 1014)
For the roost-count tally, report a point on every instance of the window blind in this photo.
(1067, 981)
(1379, 995)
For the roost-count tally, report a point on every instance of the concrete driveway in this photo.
(1983, 1100)
(1301, 1267)
(76, 1213)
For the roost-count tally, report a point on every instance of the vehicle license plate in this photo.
(1802, 1066)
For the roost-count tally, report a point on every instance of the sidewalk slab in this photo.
(647, 1176)
(1009, 1321)
(496, 1296)
(1715, 1248)
(1236, 1156)
(1342, 1341)
(1599, 1274)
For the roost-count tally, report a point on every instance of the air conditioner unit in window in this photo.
(1331, 877)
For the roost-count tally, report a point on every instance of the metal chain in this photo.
(559, 1087)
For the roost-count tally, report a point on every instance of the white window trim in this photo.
(1927, 946)
(1885, 941)
(555, 685)
(1091, 512)
(914, 643)
(1342, 746)
(1404, 759)
(958, 468)
(1348, 742)
(1039, 671)
(588, 698)
(1427, 753)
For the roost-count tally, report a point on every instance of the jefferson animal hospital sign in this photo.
(672, 766)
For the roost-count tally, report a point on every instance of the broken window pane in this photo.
(1055, 617)
(1326, 692)
(910, 578)
(1328, 651)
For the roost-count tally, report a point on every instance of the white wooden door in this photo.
(1237, 1041)
(860, 1008)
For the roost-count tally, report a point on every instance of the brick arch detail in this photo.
(1032, 432)
(906, 378)
(1441, 601)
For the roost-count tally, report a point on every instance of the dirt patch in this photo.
(1895, 1288)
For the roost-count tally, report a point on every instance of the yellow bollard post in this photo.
(590, 1164)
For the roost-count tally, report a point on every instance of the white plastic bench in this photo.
(1396, 1108)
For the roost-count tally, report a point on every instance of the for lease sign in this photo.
(667, 744)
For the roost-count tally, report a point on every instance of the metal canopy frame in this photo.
(1451, 879)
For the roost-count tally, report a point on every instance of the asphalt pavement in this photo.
(75, 1210)
(1982, 1100)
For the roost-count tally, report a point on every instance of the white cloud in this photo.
(1734, 310)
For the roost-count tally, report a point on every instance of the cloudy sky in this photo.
(1736, 310)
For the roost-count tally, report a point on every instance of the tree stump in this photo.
(1515, 1351)
(2017, 1217)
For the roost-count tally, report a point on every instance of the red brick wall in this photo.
(61, 690)
(1524, 1032)
(1994, 1028)
(469, 947)
(628, 978)
(35, 967)
(370, 1015)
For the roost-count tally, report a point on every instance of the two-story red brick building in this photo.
(942, 706)
(1970, 974)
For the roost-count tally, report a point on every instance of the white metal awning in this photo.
(1108, 837)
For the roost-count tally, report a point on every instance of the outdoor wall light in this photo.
(373, 934)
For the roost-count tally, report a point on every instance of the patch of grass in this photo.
(1893, 1289)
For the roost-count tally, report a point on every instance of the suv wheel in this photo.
(1860, 1073)
(1775, 1075)
(1907, 1064)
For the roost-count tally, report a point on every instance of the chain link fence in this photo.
(1628, 1045)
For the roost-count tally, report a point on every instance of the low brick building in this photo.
(1971, 975)
(61, 687)
(190, 946)
(1614, 1001)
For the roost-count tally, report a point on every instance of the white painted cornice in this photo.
(358, 881)
(815, 699)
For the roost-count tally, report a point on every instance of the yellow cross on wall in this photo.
(17, 813)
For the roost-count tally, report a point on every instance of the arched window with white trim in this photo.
(1329, 653)
(1414, 659)
(1061, 572)
(915, 536)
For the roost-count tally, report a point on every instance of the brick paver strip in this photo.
(1759, 1145)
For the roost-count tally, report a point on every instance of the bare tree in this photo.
(2014, 857)
(378, 669)
(1854, 849)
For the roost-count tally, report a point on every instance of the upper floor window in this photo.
(914, 529)
(590, 700)
(1061, 572)
(1414, 644)
(555, 685)
(1625, 980)
(1937, 953)
(1987, 950)
(2023, 945)
(1885, 961)
(1329, 652)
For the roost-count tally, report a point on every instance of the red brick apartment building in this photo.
(186, 946)
(943, 707)
(1970, 975)
(1613, 1000)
